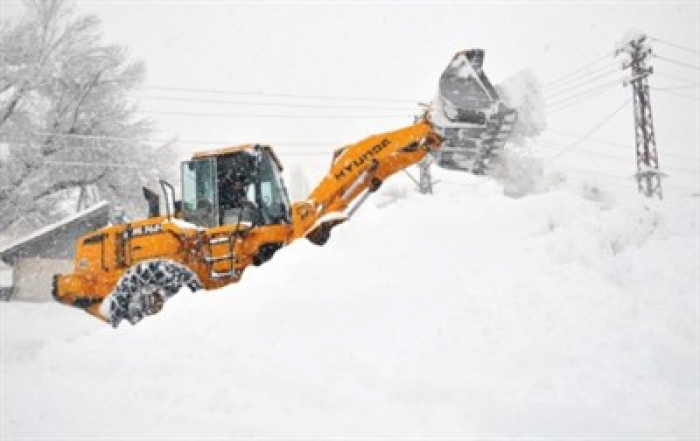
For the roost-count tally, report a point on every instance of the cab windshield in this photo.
(251, 189)
(199, 192)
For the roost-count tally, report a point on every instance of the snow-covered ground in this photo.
(466, 314)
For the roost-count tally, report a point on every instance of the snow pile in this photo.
(523, 92)
(465, 314)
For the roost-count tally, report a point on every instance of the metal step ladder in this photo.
(222, 238)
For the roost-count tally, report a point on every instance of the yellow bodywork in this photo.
(104, 256)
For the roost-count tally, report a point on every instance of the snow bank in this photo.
(466, 314)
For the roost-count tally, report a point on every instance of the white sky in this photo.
(393, 51)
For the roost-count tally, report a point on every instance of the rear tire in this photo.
(145, 287)
(320, 235)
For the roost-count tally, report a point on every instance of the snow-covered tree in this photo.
(66, 116)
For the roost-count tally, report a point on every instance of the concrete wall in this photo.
(33, 278)
(60, 244)
(57, 241)
(6, 282)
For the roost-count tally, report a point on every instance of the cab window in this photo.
(199, 192)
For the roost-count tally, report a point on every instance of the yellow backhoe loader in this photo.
(234, 212)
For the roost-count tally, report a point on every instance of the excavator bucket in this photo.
(468, 113)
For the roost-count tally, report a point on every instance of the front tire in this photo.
(145, 287)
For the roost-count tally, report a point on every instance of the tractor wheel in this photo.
(320, 235)
(145, 287)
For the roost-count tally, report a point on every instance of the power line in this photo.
(584, 94)
(554, 145)
(143, 166)
(606, 156)
(677, 87)
(677, 46)
(278, 95)
(589, 133)
(296, 153)
(662, 74)
(580, 84)
(677, 94)
(565, 104)
(329, 145)
(282, 151)
(593, 89)
(273, 143)
(161, 140)
(273, 104)
(679, 63)
(98, 164)
(280, 116)
(616, 143)
(580, 74)
(578, 70)
(79, 136)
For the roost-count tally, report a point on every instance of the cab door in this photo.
(199, 192)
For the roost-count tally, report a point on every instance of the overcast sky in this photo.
(391, 51)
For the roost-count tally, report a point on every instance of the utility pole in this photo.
(648, 175)
(426, 181)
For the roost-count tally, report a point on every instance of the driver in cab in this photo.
(235, 205)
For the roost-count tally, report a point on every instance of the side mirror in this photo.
(169, 194)
(153, 202)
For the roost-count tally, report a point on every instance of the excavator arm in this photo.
(356, 171)
(467, 126)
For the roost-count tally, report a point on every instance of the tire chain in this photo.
(133, 298)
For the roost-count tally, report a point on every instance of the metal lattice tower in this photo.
(648, 174)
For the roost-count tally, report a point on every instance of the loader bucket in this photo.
(470, 116)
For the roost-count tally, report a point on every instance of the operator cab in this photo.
(235, 186)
